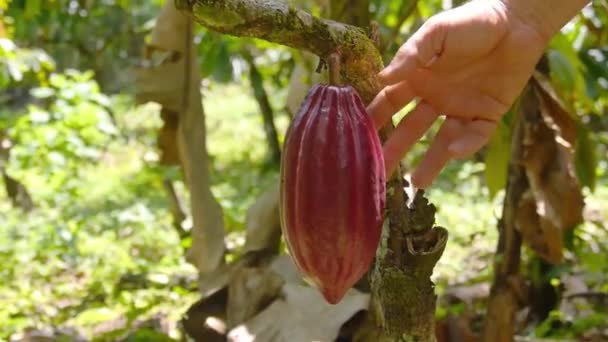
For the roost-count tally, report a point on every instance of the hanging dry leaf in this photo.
(170, 24)
(262, 222)
(302, 315)
(553, 110)
(250, 291)
(174, 81)
(205, 320)
(549, 160)
(167, 138)
(158, 84)
(220, 278)
(284, 266)
(537, 232)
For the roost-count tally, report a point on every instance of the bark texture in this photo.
(403, 298)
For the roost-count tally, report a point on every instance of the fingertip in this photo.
(389, 101)
(473, 137)
(391, 160)
(386, 76)
(420, 180)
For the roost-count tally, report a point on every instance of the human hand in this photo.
(469, 64)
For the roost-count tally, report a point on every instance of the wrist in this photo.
(546, 17)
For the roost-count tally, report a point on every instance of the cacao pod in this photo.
(332, 189)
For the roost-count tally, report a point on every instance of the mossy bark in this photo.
(403, 298)
(403, 295)
(280, 23)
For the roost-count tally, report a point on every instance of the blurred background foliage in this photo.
(87, 239)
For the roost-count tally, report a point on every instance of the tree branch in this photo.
(261, 96)
(280, 23)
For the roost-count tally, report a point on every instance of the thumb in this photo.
(420, 51)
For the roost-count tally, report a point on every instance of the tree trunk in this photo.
(505, 294)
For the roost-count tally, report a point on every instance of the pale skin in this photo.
(468, 64)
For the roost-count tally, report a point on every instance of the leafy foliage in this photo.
(105, 36)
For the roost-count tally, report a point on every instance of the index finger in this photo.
(388, 102)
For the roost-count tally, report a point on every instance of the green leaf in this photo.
(42, 92)
(498, 153)
(32, 8)
(215, 58)
(14, 70)
(223, 68)
(497, 159)
(585, 157)
(562, 70)
(595, 66)
(58, 81)
(566, 68)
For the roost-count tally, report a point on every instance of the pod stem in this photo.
(334, 69)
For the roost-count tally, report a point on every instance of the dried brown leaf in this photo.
(538, 233)
(550, 171)
(553, 109)
(250, 291)
(262, 223)
(301, 315)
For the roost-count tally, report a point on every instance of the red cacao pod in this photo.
(332, 189)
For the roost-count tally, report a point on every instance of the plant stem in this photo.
(334, 69)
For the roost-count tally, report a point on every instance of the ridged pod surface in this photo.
(332, 189)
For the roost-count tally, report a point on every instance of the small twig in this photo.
(321, 66)
(262, 98)
(334, 69)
